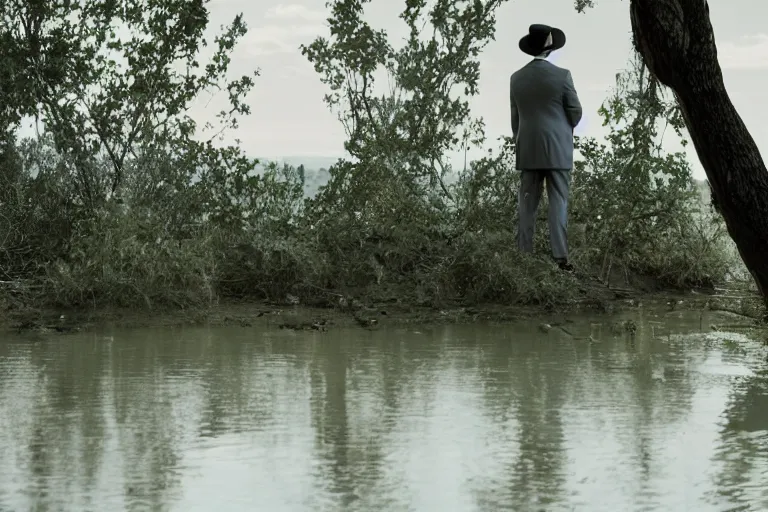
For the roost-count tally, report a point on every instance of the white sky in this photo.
(290, 118)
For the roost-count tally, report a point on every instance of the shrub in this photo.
(136, 208)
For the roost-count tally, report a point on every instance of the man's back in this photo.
(545, 109)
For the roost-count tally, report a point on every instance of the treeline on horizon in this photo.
(317, 176)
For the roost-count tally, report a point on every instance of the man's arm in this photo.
(515, 117)
(571, 102)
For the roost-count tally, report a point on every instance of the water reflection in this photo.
(742, 449)
(436, 418)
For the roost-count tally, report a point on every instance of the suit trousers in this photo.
(531, 188)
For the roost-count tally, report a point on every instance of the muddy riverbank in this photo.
(741, 306)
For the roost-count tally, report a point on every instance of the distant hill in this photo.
(315, 169)
(316, 173)
(309, 162)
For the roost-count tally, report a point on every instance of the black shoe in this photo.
(565, 266)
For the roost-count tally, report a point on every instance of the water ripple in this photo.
(448, 418)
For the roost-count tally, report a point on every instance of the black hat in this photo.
(535, 43)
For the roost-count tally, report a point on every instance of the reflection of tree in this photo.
(535, 377)
(743, 452)
(748, 409)
(328, 382)
(525, 386)
(541, 396)
(169, 388)
(143, 407)
(6, 356)
(41, 465)
(644, 393)
(227, 370)
(67, 417)
(340, 371)
(656, 386)
(539, 467)
(357, 388)
(127, 407)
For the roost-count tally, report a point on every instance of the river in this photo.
(461, 418)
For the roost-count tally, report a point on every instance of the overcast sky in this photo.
(290, 119)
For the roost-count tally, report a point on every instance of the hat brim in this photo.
(558, 41)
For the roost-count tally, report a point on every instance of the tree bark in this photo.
(676, 40)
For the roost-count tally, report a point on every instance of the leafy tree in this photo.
(676, 40)
(389, 206)
(641, 205)
(485, 191)
(111, 84)
(402, 134)
(112, 79)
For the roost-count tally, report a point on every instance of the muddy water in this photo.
(448, 418)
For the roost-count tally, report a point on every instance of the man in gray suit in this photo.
(545, 111)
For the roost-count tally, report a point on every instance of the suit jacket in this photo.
(545, 110)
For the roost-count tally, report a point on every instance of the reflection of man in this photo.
(545, 110)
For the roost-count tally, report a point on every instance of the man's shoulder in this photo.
(561, 69)
(530, 68)
(523, 71)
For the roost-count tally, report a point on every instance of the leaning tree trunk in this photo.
(677, 43)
